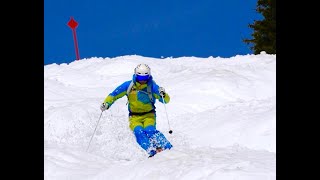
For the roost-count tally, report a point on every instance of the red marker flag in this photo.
(73, 25)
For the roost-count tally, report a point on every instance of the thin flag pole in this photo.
(73, 25)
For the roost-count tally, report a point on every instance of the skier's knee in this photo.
(150, 130)
(138, 130)
(141, 137)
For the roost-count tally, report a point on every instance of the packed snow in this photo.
(222, 113)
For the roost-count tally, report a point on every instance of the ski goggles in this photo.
(142, 78)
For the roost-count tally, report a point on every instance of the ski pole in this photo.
(164, 103)
(94, 131)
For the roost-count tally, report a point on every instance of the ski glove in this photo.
(104, 107)
(162, 92)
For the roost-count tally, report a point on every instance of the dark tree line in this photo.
(264, 35)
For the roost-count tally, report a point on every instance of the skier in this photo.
(142, 91)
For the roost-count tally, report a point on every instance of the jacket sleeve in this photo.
(155, 90)
(119, 92)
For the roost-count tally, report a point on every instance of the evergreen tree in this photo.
(264, 35)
